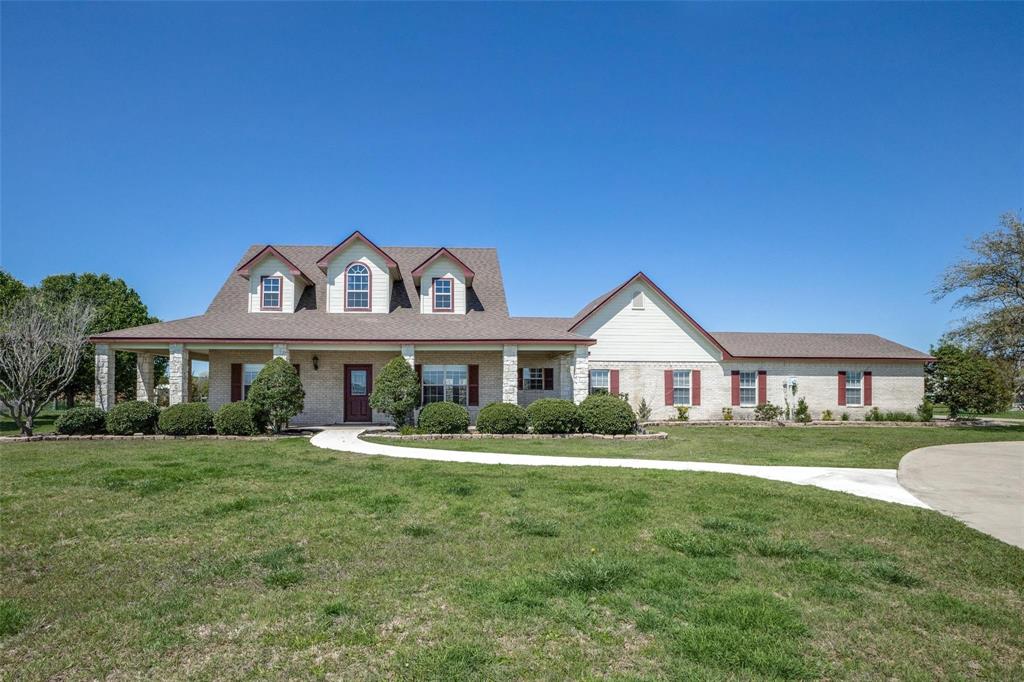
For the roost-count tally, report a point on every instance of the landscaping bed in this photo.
(291, 433)
(816, 422)
(475, 435)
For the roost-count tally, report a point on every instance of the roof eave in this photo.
(245, 269)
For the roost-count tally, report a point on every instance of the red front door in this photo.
(358, 384)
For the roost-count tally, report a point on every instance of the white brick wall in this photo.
(895, 386)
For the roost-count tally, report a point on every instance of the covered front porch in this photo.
(338, 378)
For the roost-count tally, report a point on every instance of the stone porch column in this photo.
(580, 374)
(409, 353)
(144, 388)
(281, 350)
(565, 376)
(104, 376)
(178, 371)
(510, 374)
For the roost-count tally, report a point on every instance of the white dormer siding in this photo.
(380, 279)
(443, 268)
(272, 267)
(653, 332)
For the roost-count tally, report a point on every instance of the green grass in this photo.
(1008, 414)
(43, 424)
(226, 560)
(846, 446)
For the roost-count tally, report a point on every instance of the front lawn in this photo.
(842, 446)
(228, 559)
(43, 424)
(1006, 414)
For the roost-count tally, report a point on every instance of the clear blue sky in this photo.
(773, 167)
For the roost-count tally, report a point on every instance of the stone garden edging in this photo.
(753, 423)
(211, 436)
(391, 435)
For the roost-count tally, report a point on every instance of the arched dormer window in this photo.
(357, 287)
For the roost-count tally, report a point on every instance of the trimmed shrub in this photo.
(81, 421)
(236, 419)
(501, 418)
(766, 412)
(926, 410)
(826, 416)
(873, 415)
(727, 414)
(135, 416)
(683, 413)
(551, 415)
(876, 415)
(186, 419)
(606, 414)
(276, 394)
(444, 418)
(845, 417)
(396, 391)
(643, 410)
(803, 412)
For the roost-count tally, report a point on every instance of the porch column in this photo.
(565, 361)
(580, 374)
(144, 388)
(409, 353)
(510, 374)
(281, 351)
(104, 376)
(178, 371)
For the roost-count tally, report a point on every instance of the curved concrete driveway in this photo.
(982, 484)
(879, 484)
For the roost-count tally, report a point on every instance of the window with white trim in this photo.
(270, 296)
(249, 374)
(446, 383)
(748, 389)
(600, 381)
(681, 386)
(533, 378)
(855, 388)
(357, 287)
(443, 294)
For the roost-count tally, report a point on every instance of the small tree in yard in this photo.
(40, 346)
(396, 391)
(276, 393)
(966, 381)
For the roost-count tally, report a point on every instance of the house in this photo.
(338, 314)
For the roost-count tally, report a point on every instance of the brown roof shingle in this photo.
(803, 345)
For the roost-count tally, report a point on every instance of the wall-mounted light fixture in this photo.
(316, 363)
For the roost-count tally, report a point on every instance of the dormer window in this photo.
(443, 297)
(270, 293)
(357, 287)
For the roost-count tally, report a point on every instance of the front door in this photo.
(358, 380)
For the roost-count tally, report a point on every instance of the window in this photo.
(638, 300)
(681, 387)
(600, 381)
(357, 287)
(249, 373)
(445, 383)
(854, 384)
(443, 294)
(533, 379)
(270, 293)
(748, 389)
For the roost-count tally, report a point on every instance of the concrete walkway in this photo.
(878, 484)
(982, 484)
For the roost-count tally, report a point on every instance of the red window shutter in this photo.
(549, 378)
(419, 372)
(695, 387)
(297, 370)
(474, 385)
(669, 396)
(867, 388)
(519, 378)
(762, 386)
(842, 387)
(735, 387)
(236, 382)
(613, 382)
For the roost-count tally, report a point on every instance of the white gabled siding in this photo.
(269, 267)
(380, 288)
(655, 333)
(442, 267)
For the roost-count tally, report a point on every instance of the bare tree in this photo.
(40, 346)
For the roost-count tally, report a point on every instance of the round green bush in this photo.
(81, 421)
(444, 418)
(501, 418)
(135, 416)
(236, 419)
(186, 419)
(551, 415)
(606, 414)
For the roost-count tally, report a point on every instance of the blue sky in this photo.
(804, 167)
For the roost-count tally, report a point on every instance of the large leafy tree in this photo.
(117, 306)
(276, 394)
(966, 381)
(990, 283)
(11, 288)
